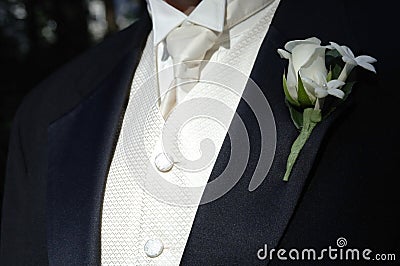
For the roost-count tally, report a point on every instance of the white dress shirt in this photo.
(143, 221)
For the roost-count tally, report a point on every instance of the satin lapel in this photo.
(81, 144)
(236, 226)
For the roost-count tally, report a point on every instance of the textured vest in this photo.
(138, 207)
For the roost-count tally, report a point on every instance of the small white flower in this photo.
(326, 88)
(364, 61)
(348, 57)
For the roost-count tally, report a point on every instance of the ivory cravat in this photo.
(187, 45)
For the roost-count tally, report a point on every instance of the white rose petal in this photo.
(307, 59)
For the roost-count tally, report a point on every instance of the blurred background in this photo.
(38, 36)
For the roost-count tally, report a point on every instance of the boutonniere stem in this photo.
(311, 118)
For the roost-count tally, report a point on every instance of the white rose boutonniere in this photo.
(314, 73)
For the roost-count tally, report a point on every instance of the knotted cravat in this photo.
(187, 45)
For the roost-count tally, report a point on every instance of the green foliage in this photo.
(332, 53)
(334, 63)
(311, 118)
(302, 96)
(287, 94)
(347, 89)
(329, 76)
(296, 115)
(337, 69)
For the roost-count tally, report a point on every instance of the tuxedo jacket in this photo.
(342, 185)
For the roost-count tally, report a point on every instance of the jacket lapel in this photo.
(236, 226)
(81, 144)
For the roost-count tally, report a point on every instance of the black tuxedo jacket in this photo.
(343, 184)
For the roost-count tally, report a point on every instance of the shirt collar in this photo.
(208, 13)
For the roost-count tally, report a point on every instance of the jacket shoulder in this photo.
(66, 86)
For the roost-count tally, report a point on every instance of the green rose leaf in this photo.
(337, 69)
(329, 76)
(333, 53)
(302, 95)
(297, 116)
(287, 94)
(347, 89)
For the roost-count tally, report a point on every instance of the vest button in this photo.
(163, 162)
(153, 248)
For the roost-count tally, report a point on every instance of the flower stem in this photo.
(311, 118)
(319, 104)
(345, 72)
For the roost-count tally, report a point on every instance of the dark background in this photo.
(38, 36)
